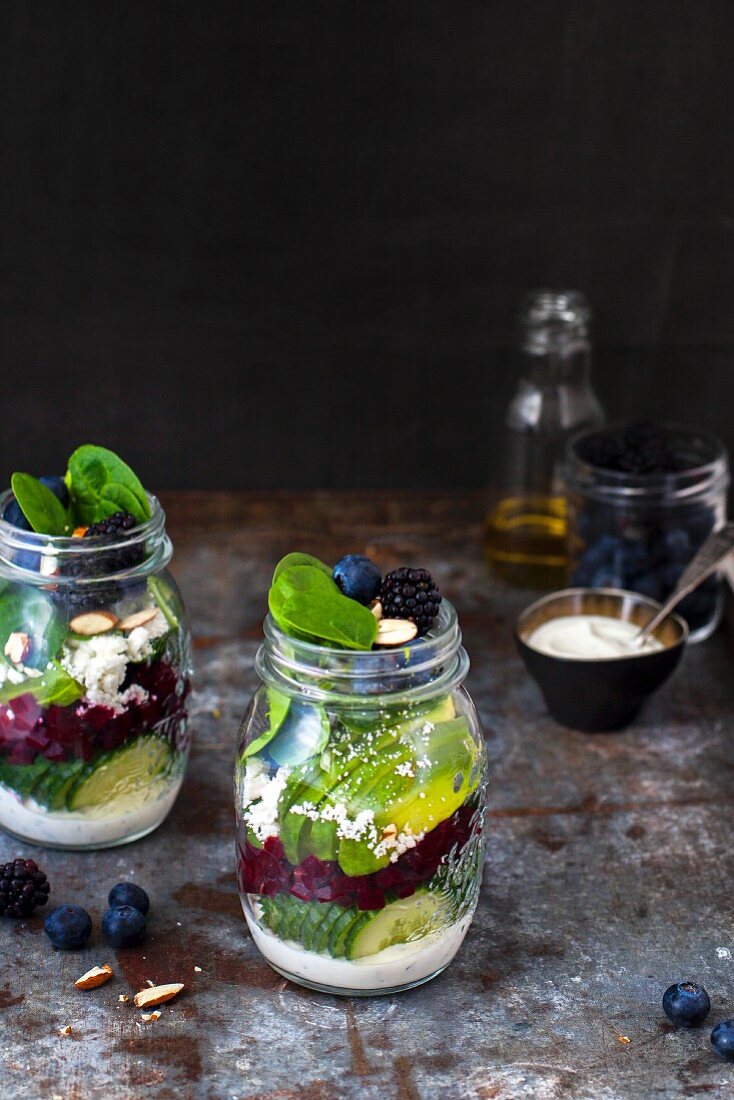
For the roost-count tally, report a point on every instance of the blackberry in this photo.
(642, 447)
(111, 529)
(22, 887)
(410, 594)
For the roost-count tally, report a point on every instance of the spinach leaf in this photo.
(43, 510)
(278, 706)
(304, 600)
(165, 596)
(31, 611)
(54, 686)
(298, 559)
(101, 484)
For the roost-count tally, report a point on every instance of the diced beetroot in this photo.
(266, 870)
(79, 731)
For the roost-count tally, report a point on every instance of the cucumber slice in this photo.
(321, 932)
(139, 767)
(53, 788)
(400, 921)
(340, 930)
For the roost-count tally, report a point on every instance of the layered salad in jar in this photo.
(94, 657)
(360, 780)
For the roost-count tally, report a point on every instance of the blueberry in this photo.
(358, 577)
(632, 558)
(649, 584)
(675, 545)
(722, 1039)
(686, 1003)
(601, 552)
(606, 577)
(68, 927)
(14, 515)
(123, 925)
(127, 893)
(57, 485)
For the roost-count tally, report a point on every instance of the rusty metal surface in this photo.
(608, 875)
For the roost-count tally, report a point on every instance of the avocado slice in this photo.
(319, 837)
(433, 794)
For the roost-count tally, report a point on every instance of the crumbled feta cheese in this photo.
(99, 663)
(256, 776)
(405, 769)
(398, 844)
(262, 816)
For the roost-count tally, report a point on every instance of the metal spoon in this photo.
(716, 548)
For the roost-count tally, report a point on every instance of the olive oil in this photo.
(525, 541)
(525, 531)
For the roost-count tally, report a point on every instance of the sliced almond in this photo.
(98, 975)
(389, 831)
(17, 647)
(65, 1030)
(376, 609)
(93, 622)
(79, 532)
(395, 631)
(138, 618)
(124, 998)
(157, 995)
(148, 1016)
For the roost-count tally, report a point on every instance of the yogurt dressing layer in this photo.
(590, 638)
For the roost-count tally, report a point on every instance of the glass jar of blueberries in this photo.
(94, 665)
(642, 499)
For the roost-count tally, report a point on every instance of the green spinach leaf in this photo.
(297, 558)
(31, 611)
(101, 484)
(43, 510)
(278, 706)
(304, 600)
(54, 686)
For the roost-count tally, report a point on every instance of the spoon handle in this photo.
(715, 549)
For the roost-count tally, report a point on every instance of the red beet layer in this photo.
(79, 730)
(266, 870)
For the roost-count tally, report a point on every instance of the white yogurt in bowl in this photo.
(590, 638)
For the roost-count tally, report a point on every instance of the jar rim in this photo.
(151, 534)
(423, 668)
(698, 478)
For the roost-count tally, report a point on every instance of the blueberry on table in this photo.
(358, 577)
(68, 927)
(123, 926)
(127, 893)
(686, 1003)
(722, 1039)
(57, 485)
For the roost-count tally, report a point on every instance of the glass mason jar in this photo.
(638, 531)
(94, 676)
(360, 783)
(525, 529)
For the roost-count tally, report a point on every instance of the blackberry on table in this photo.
(410, 594)
(23, 886)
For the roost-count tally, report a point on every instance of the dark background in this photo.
(282, 244)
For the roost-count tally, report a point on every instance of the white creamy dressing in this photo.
(399, 965)
(590, 638)
(94, 829)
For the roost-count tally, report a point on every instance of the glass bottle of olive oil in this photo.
(525, 530)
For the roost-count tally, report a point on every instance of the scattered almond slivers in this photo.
(98, 975)
(157, 994)
(388, 831)
(148, 1016)
(124, 998)
(17, 647)
(65, 1030)
(138, 618)
(376, 609)
(395, 631)
(93, 622)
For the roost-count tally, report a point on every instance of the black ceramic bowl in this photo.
(599, 695)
